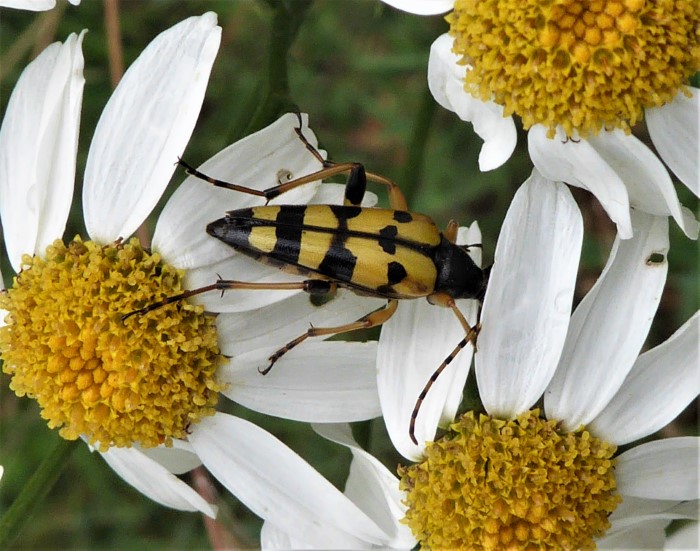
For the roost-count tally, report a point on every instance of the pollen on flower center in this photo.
(494, 484)
(116, 382)
(584, 65)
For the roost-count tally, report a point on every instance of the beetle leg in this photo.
(372, 319)
(311, 286)
(450, 231)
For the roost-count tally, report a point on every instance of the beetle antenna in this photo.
(470, 337)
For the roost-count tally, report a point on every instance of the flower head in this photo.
(143, 390)
(580, 66)
(511, 474)
(579, 75)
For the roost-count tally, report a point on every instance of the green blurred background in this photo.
(359, 69)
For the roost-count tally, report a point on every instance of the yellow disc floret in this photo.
(519, 484)
(116, 382)
(581, 64)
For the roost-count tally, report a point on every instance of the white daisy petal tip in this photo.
(38, 145)
(155, 482)
(146, 125)
(446, 83)
(422, 7)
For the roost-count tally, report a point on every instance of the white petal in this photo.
(674, 130)
(274, 482)
(528, 300)
(647, 535)
(649, 185)
(257, 336)
(145, 126)
(578, 164)
(633, 510)
(372, 487)
(662, 383)
(179, 459)
(30, 5)
(321, 382)
(663, 469)
(422, 7)
(257, 161)
(38, 144)
(610, 325)
(323, 537)
(686, 537)
(154, 481)
(446, 82)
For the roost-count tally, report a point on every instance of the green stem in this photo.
(35, 490)
(287, 18)
(410, 179)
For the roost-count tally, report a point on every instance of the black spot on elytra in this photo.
(395, 273)
(402, 216)
(387, 239)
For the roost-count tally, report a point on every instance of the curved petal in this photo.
(412, 345)
(320, 382)
(528, 299)
(578, 164)
(38, 145)
(155, 482)
(610, 325)
(422, 7)
(257, 161)
(446, 82)
(633, 510)
(646, 535)
(648, 183)
(274, 482)
(674, 130)
(373, 488)
(145, 126)
(663, 469)
(179, 459)
(662, 382)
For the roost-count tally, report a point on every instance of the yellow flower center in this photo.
(116, 382)
(494, 484)
(581, 64)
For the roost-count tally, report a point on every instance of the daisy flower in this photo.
(143, 391)
(579, 75)
(514, 475)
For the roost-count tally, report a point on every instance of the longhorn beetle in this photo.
(388, 253)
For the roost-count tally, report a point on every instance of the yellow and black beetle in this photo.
(387, 253)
